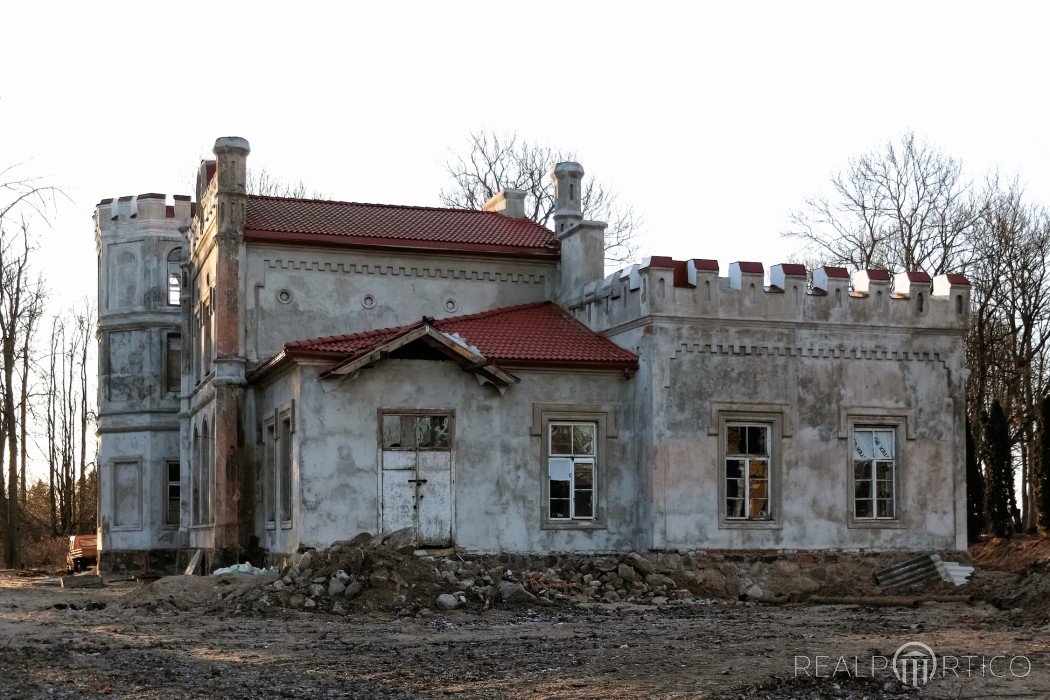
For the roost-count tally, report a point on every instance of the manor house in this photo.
(277, 373)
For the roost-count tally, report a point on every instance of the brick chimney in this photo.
(508, 202)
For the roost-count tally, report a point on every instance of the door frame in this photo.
(451, 413)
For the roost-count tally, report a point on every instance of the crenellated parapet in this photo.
(141, 213)
(661, 286)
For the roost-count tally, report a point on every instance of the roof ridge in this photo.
(420, 207)
(348, 336)
(491, 312)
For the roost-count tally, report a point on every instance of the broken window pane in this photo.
(584, 475)
(862, 488)
(583, 439)
(758, 489)
(559, 489)
(734, 488)
(735, 508)
(756, 440)
(561, 439)
(757, 509)
(863, 509)
(432, 432)
(884, 508)
(391, 432)
(861, 469)
(584, 503)
(734, 468)
(174, 471)
(734, 440)
(559, 507)
(759, 468)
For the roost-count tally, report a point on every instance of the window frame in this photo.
(774, 424)
(604, 419)
(168, 483)
(269, 471)
(286, 413)
(876, 422)
(177, 273)
(415, 414)
(575, 459)
(167, 392)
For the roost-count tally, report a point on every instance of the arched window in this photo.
(174, 276)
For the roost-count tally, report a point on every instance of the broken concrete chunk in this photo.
(447, 601)
(315, 589)
(353, 590)
(515, 593)
(640, 563)
(342, 576)
(402, 541)
(335, 587)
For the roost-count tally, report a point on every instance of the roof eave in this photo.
(324, 240)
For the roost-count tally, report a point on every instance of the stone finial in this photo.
(568, 195)
(225, 144)
(508, 202)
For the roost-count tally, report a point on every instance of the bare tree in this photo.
(906, 206)
(263, 182)
(496, 161)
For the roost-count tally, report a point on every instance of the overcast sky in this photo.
(713, 119)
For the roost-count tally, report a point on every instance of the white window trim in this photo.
(746, 472)
(774, 420)
(591, 459)
(605, 418)
(884, 422)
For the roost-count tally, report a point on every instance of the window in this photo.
(874, 473)
(172, 513)
(196, 473)
(269, 467)
(747, 472)
(416, 431)
(175, 277)
(206, 471)
(749, 465)
(284, 452)
(571, 460)
(173, 363)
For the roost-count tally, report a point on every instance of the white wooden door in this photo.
(417, 475)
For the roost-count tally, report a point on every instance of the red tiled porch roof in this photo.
(530, 335)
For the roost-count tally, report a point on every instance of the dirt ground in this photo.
(64, 643)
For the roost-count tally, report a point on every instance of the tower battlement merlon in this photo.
(143, 209)
(692, 288)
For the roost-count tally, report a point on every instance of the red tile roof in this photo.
(539, 334)
(348, 224)
(878, 275)
(793, 269)
(750, 267)
(919, 278)
(836, 272)
(956, 278)
(705, 264)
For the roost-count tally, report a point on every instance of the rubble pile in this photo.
(385, 572)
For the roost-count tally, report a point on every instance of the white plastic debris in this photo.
(244, 568)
